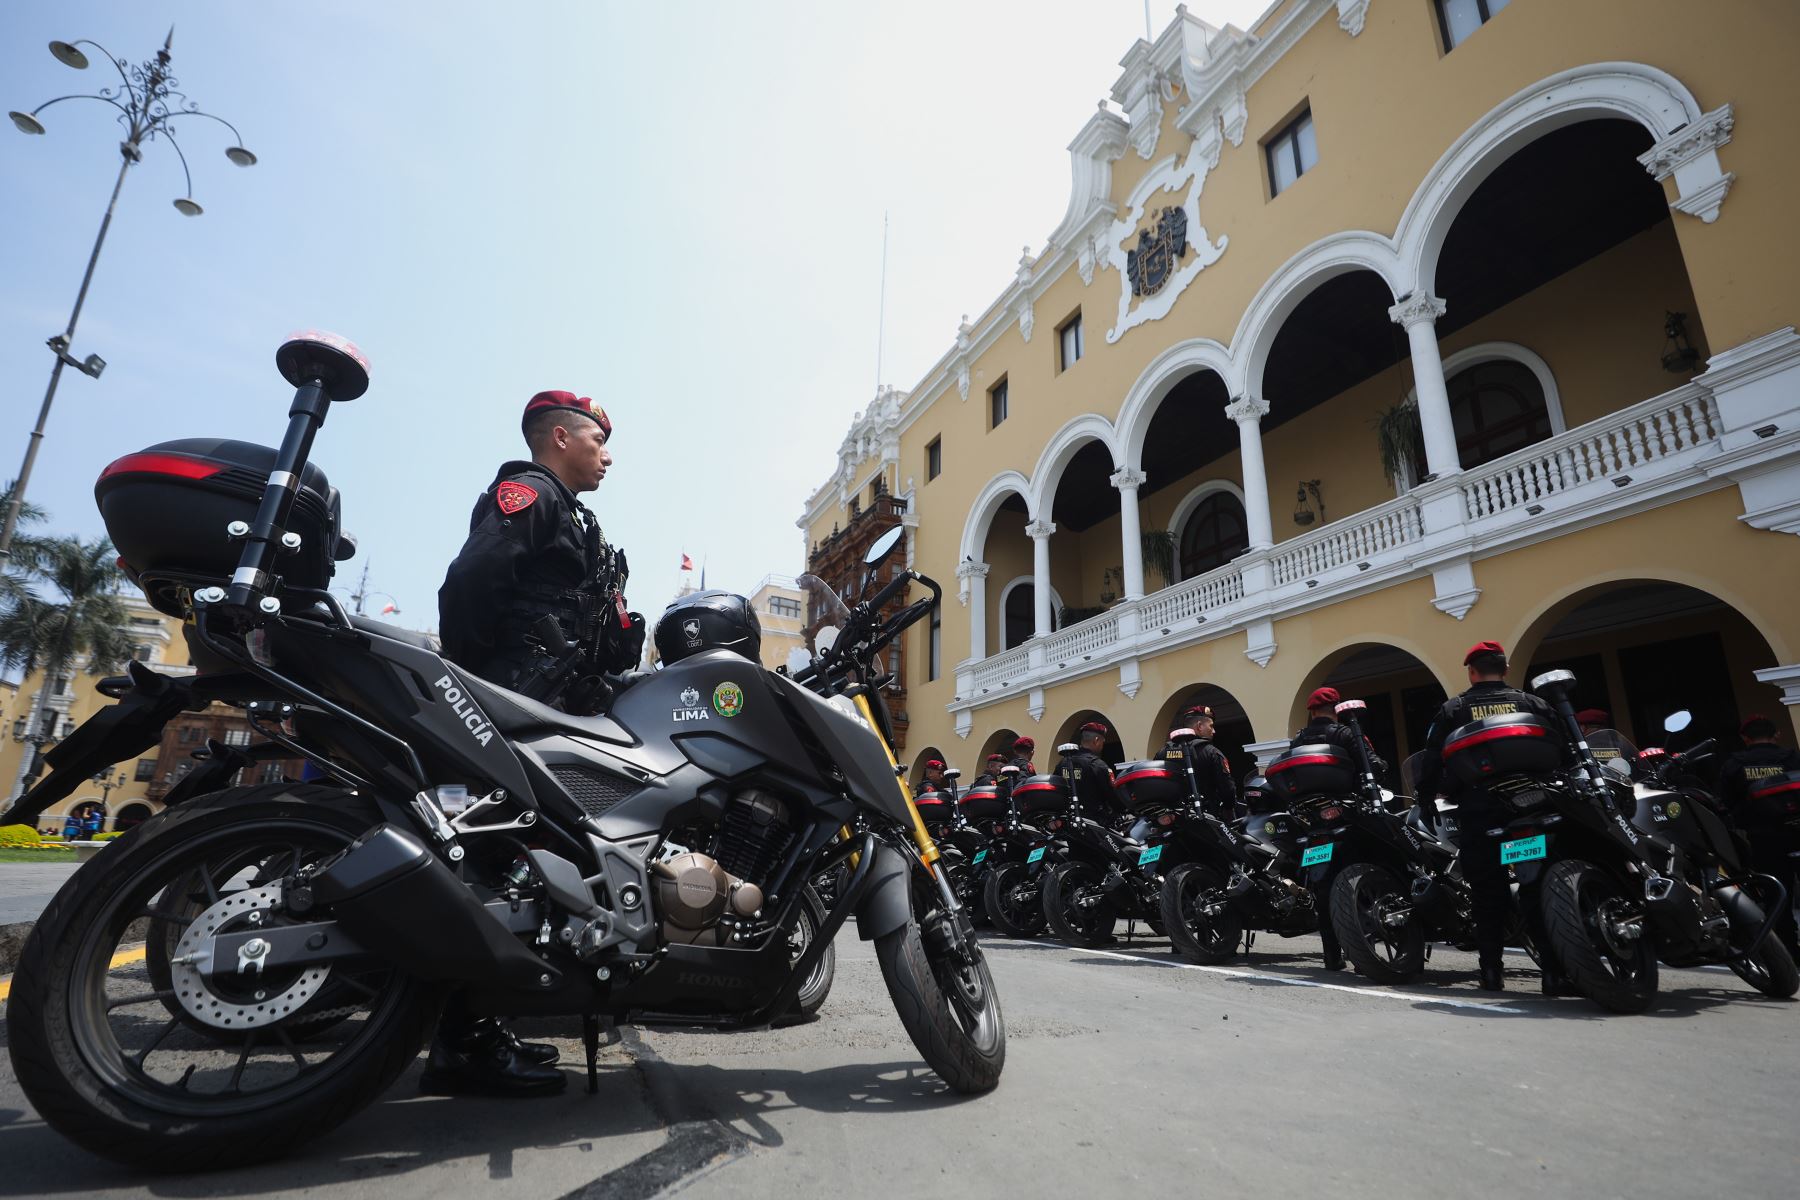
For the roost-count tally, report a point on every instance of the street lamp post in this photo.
(149, 100)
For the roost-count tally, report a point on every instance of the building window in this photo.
(190, 734)
(141, 653)
(784, 606)
(1292, 153)
(1496, 408)
(147, 622)
(1213, 534)
(146, 770)
(1070, 346)
(933, 658)
(63, 685)
(934, 459)
(997, 403)
(271, 772)
(1461, 18)
(237, 737)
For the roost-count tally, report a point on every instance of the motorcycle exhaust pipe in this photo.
(401, 902)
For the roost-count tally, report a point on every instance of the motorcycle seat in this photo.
(512, 713)
(423, 641)
(1260, 848)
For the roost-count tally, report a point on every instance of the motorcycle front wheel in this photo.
(944, 994)
(96, 1042)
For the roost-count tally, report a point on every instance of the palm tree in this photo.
(25, 548)
(62, 604)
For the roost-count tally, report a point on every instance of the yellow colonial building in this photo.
(1377, 329)
(41, 712)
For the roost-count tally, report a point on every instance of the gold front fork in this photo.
(928, 850)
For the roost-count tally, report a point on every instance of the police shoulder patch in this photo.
(512, 496)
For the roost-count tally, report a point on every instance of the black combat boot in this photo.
(481, 1057)
(537, 1052)
(1493, 976)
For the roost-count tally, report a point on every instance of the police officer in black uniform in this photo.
(1022, 749)
(1322, 725)
(992, 774)
(1190, 744)
(1489, 695)
(534, 550)
(531, 551)
(1090, 777)
(1771, 844)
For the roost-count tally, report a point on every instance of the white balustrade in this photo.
(1001, 669)
(1193, 598)
(1082, 641)
(1357, 539)
(1621, 442)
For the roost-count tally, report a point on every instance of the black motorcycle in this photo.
(1105, 877)
(1625, 873)
(1015, 857)
(650, 860)
(1387, 882)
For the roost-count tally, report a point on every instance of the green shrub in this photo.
(106, 837)
(19, 835)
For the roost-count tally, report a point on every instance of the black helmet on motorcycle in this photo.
(711, 620)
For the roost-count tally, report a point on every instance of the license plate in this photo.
(1522, 850)
(1150, 855)
(1035, 855)
(1317, 855)
(979, 855)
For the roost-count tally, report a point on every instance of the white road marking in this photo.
(1380, 993)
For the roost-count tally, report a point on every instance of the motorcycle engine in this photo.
(700, 895)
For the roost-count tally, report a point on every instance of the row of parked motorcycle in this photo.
(1622, 854)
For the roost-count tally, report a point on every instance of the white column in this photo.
(1127, 481)
(1418, 315)
(974, 576)
(1248, 412)
(1040, 532)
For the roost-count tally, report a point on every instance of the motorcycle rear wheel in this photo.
(1381, 952)
(1207, 938)
(1012, 915)
(944, 996)
(1075, 908)
(88, 1070)
(1580, 900)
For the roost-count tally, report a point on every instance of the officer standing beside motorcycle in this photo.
(992, 774)
(1211, 769)
(1488, 695)
(535, 551)
(1090, 778)
(1022, 749)
(1322, 725)
(934, 777)
(1771, 844)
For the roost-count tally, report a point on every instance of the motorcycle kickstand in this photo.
(590, 1040)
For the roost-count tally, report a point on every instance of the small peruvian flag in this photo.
(389, 608)
(687, 564)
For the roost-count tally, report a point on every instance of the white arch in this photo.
(1470, 356)
(1190, 502)
(1153, 386)
(1333, 255)
(981, 512)
(1056, 607)
(1654, 99)
(1059, 450)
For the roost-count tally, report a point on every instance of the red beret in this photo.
(934, 764)
(1481, 648)
(1593, 716)
(1323, 698)
(570, 402)
(1196, 710)
(1763, 726)
(1024, 743)
(999, 758)
(1095, 727)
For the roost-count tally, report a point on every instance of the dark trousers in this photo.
(1770, 854)
(1490, 888)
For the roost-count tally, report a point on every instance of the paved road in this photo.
(27, 888)
(1124, 1072)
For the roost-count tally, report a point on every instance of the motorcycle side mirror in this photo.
(1675, 722)
(825, 639)
(1553, 679)
(883, 546)
(798, 660)
(952, 772)
(1618, 766)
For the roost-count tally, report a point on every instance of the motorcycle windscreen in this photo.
(854, 746)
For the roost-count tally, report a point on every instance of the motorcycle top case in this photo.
(982, 802)
(1038, 794)
(934, 807)
(166, 508)
(1151, 785)
(1316, 769)
(1773, 801)
(1497, 747)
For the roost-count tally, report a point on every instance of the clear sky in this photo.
(673, 207)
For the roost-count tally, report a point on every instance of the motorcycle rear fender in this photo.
(887, 903)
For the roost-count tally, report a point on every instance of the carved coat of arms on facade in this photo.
(1158, 252)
